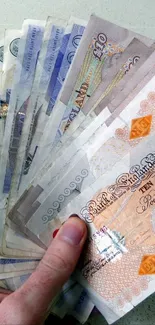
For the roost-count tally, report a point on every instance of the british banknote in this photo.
(1, 63)
(3, 107)
(66, 300)
(49, 49)
(11, 44)
(3, 284)
(125, 86)
(16, 265)
(16, 282)
(131, 234)
(101, 168)
(72, 143)
(116, 70)
(119, 238)
(44, 114)
(47, 182)
(138, 54)
(8, 275)
(46, 235)
(99, 157)
(79, 124)
(31, 38)
(121, 208)
(101, 41)
(83, 308)
(76, 29)
(16, 240)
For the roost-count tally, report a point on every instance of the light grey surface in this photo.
(138, 15)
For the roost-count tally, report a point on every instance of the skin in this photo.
(29, 303)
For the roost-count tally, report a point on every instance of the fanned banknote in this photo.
(11, 44)
(3, 106)
(1, 63)
(119, 209)
(46, 61)
(83, 308)
(51, 43)
(90, 160)
(41, 187)
(116, 70)
(86, 165)
(89, 204)
(30, 44)
(76, 28)
(77, 130)
(101, 41)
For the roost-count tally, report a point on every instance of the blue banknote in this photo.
(72, 46)
(83, 308)
(26, 64)
(54, 43)
(35, 111)
(57, 66)
(4, 261)
(17, 281)
(15, 265)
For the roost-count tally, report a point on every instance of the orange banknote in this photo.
(122, 216)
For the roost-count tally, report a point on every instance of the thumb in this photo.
(59, 261)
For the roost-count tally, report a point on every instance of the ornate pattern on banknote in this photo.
(147, 113)
(111, 150)
(14, 47)
(117, 281)
(147, 265)
(100, 52)
(140, 127)
(124, 183)
(74, 186)
(130, 234)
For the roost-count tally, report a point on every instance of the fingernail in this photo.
(72, 231)
(74, 216)
(55, 232)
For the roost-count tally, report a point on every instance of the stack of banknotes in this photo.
(77, 135)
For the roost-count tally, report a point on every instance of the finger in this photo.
(4, 295)
(53, 271)
(6, 291)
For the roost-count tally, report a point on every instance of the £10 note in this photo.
(101, 41)
(119, 71)
(97, 160)
(114, 72)
(119, 217)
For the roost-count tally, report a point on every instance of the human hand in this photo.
(28, 304)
